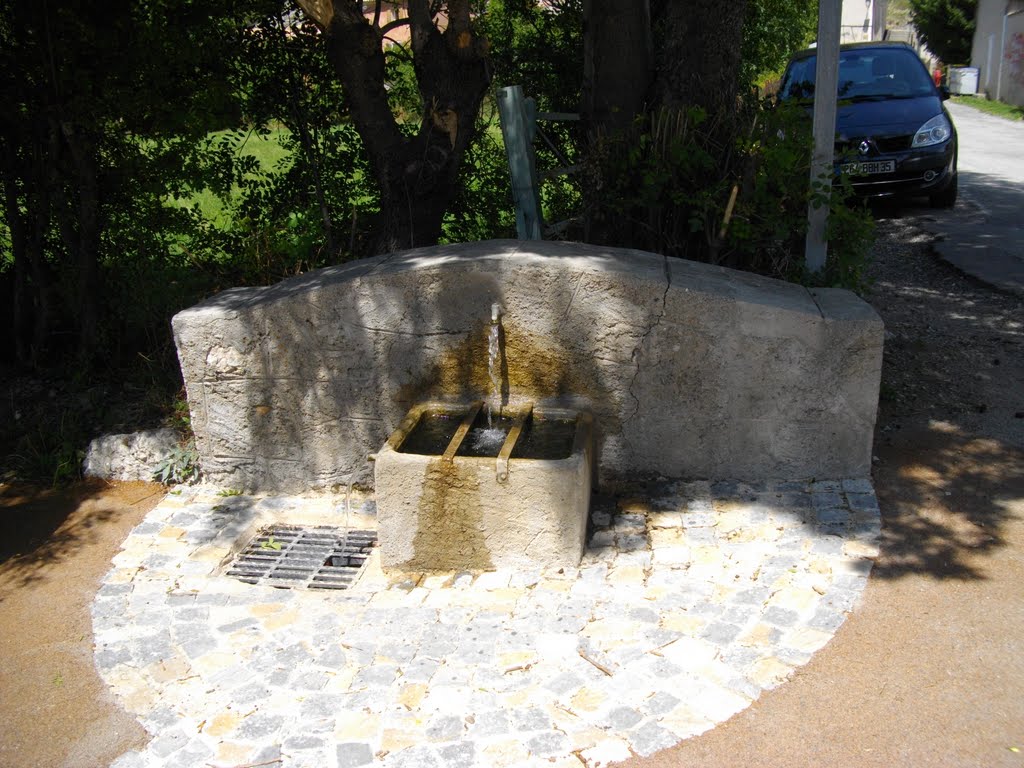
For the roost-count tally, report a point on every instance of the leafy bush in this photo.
(180, 466)
(681, 185)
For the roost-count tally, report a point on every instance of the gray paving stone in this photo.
(459, 645)
(486, 724)
(780, 617)
(721, 633)
(131, 759)
(530, 719)
(461, 755)
(650, 738)
(660, 703)
(550, 744)
(413, 757)
(168, 742)
(445, 728)
(623, 718)
(563, 683)
(194, 753)
(260, 726)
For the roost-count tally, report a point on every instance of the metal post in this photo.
(518, 121)
(826, 84)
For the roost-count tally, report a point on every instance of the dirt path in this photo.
(927, 671)
(54, 549)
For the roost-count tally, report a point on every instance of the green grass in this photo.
(268, 153)
(997, 108)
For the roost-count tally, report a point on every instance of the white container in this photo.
(963, 80)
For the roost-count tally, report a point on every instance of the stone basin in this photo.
(446, 503)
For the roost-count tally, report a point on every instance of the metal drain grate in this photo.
(304, 558)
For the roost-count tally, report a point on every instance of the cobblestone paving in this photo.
(690, 601)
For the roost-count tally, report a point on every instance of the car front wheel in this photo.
(947, 197)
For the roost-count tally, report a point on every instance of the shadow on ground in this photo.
(43, 527)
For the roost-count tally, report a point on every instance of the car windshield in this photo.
(864, 75)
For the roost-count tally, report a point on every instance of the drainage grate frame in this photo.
(293, 557)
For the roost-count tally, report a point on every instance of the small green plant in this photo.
(229, 492)
(180, 466)
(271, 543)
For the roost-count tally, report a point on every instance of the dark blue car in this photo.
(894, 135)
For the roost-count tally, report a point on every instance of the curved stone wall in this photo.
(690, 370)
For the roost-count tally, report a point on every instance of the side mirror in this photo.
(944, 92)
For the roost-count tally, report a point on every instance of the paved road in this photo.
(984, 234)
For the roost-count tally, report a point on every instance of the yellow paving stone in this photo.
(282, 619)
(588, 699)
(171, 532)
(517, 698)
(140, 700)
(341, 680)
(668, 537)
(654, 594)
(222, 724)
(672, 556)
(706, 556)
(860, 549)
(657, 520)
(502, 754)
(554, 585)
(626, 574)
(412, 695)
(437, 581)
(516, 659)
(265, 609)
(689, 652)
(758, 636)
(769, 672)
(806, 639)
(213, 662)
(233, 753)
(730, 518)
(820, 565)
(685, 722)
(170, 669)
(637, 505)
(396, 739)
(121, 576)
(357, 726)
(794, 598)
(440, 598)
(680, 621)
(606, 751)
(607, 629)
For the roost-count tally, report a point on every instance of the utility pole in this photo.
(826, 84)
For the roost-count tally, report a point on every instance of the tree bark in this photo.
(617, 63)
(417, 176)
(698, 54)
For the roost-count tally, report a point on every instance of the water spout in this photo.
(494, 359)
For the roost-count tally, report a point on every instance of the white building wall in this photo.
(990, 45)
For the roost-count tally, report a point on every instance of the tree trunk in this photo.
(698, 54)
(617, 63)
(417, 176)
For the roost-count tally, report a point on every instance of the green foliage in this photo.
(180, 466)
(772, 31)
(51, 457)
(666, 188)
(946, 27)
(541, 49)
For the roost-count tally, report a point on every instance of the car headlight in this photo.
(935, 131)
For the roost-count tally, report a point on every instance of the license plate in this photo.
(869, 167)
